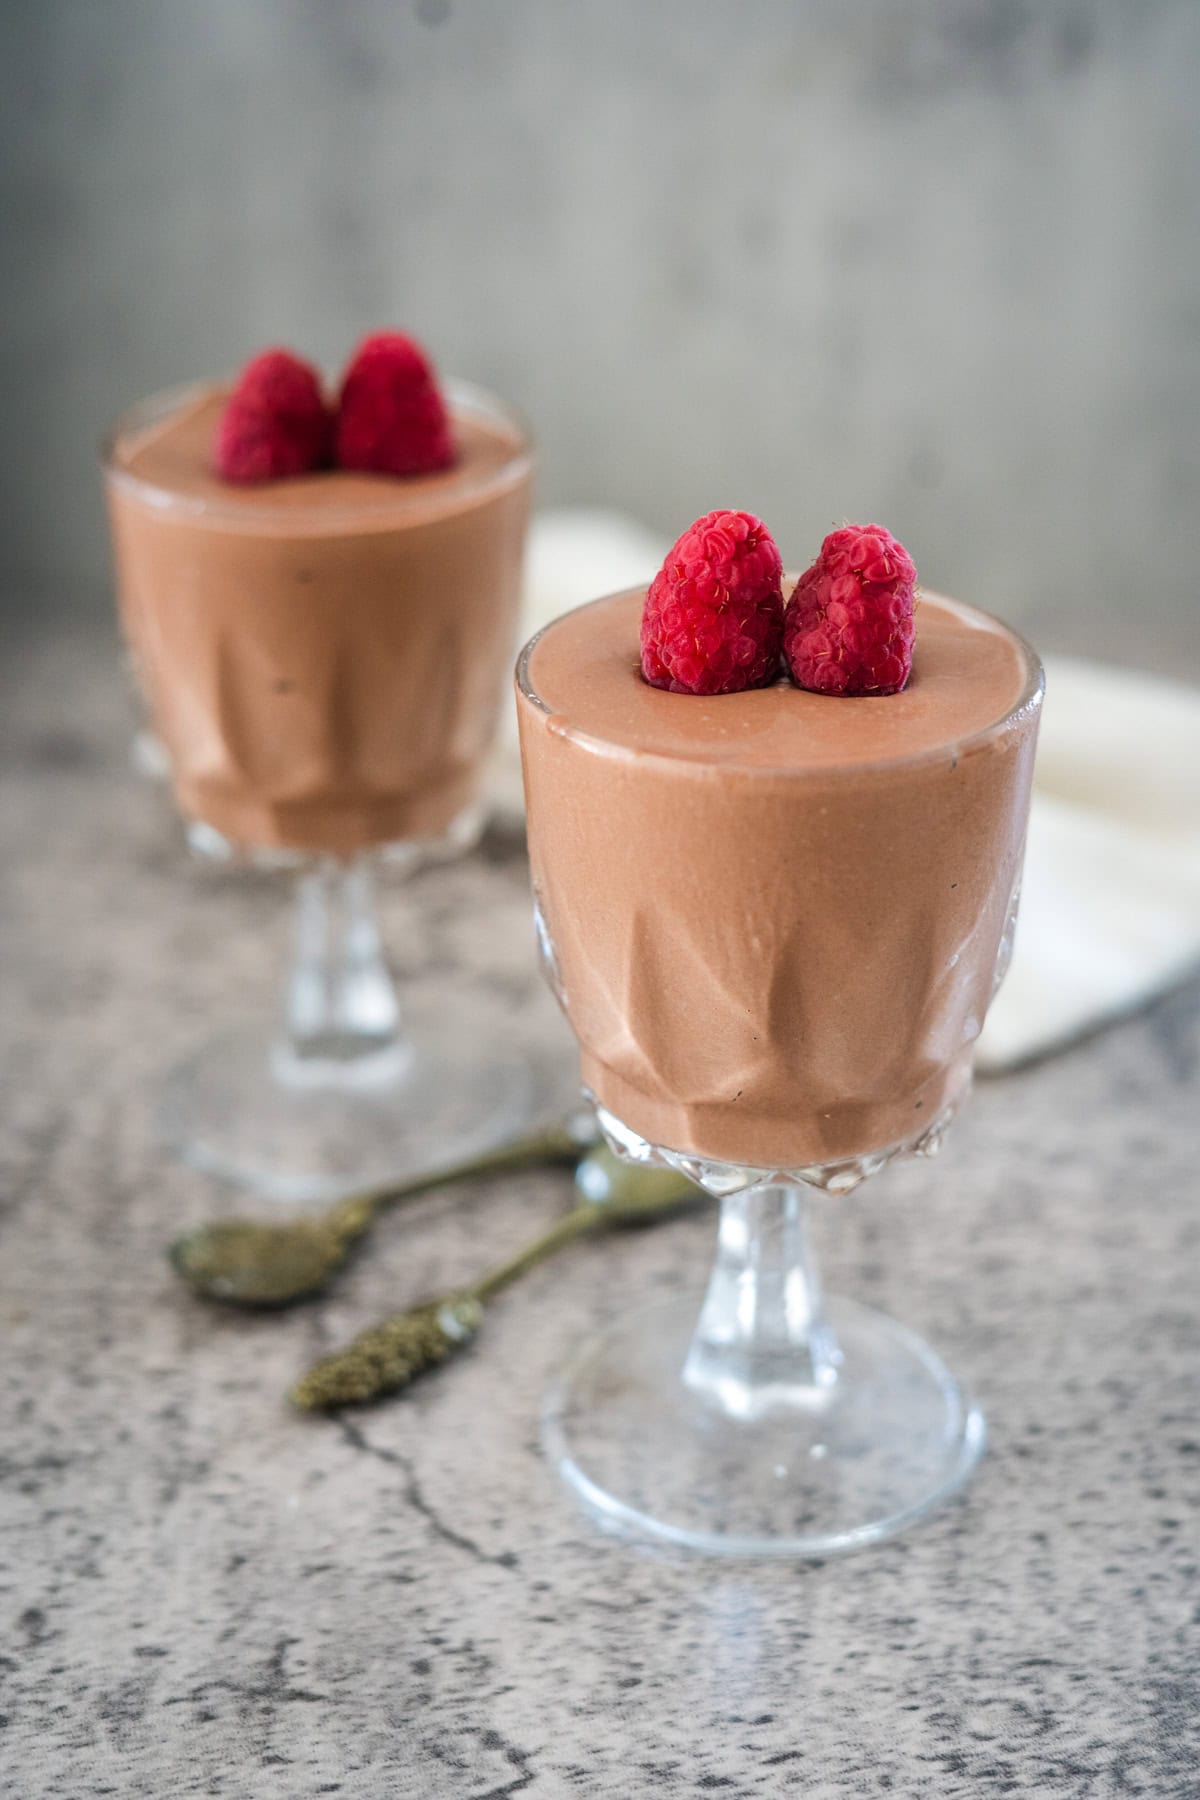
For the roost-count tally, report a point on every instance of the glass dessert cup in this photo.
(323, 661)
(765, 1420)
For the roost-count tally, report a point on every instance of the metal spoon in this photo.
(245, 1262)
(389, 1355)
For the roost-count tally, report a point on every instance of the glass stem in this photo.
(342, 1017)
(762, 1343)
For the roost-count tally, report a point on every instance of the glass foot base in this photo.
(840, 1467)
(312, 1131)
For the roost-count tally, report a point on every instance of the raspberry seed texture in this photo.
(713, 618)
(849, 624)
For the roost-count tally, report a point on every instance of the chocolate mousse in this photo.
(323, 654)
(776, 916)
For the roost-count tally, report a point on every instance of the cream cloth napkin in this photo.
(1110, 907)
(1110, 904)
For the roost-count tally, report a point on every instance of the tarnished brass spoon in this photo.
(247, 1262)
(388, 1356)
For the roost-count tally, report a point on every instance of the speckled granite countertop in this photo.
(203, 1594)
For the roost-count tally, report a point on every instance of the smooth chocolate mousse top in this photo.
(173, 457)
(969, 672)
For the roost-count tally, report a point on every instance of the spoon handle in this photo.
(564, 1231)
(662, 1192)
(561, 1141)
(387, 1356)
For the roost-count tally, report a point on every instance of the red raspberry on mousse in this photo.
(849, 624)
(391, 416)
(275, 422)
(713, 619)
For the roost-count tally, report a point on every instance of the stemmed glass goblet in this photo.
(775, 929)
(323, 658)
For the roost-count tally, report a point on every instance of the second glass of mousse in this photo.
(774, 918)
(323, 653)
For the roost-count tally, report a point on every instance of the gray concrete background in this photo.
(935, 264)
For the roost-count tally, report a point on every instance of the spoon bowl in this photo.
(245, 1262)
(388, 1356)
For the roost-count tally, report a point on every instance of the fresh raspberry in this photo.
(713, 619)
(391, 415)
(849, 625)
(275, 422)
